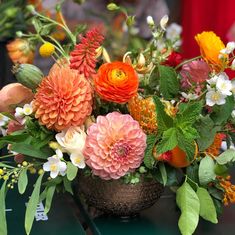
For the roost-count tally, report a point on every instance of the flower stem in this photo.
(187, 61)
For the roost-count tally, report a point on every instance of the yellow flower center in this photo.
(53, 167)
(118, 75)
(1, 117)
(77, 160)
(215, 96)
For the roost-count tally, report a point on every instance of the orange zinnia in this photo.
(210, 46)
(63, 99)
(116, 82)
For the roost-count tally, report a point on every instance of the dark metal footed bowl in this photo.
(116, 198)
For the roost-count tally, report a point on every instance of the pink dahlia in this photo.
(114, 145)
(194, 72)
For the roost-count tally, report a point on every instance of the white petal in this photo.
(53, 174)
(62, 166)
(163, 22)
(59, 153)
(46, 166)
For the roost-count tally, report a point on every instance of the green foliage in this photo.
(30, 150)
(169, 140)
(169, 84)
(148, 156)
(222, 112)
(163, 172)
(192, 172)
(49, 196)
(67, 185)
(188, 202)
(10, 139)
(207, 207)
(3, 223)
(71, 171)
(205, 125)
(22, 181)
(226, 157)
(32, 205)
(206, 170)
(164, 121)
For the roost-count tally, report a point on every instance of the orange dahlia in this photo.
(116, 82)
(63, 99)
(210, 46)
(144, 111)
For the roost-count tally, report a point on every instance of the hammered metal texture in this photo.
(115, 197)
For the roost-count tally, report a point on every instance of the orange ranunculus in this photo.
(13, 94)
(116, 82)
(210, 46)
(20, 51)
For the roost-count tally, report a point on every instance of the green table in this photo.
(61, 220)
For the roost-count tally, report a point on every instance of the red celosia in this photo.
(83, 57)
(173, 59)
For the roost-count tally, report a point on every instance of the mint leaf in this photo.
(188, 202)
(148, 156)
(189, 114)
(169, 140)
(204, 126)
(163, 172)
(169, 84)
(207, 207)
(164, 121)
(190, 132)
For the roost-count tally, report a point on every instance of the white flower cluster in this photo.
(227, 51)
(21, 113)
(219, 87)
(3, 122)
(71, 141)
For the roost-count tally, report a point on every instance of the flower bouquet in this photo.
(151, 116)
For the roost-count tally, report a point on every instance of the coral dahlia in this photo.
(116, 82)
(114, 146)
(63, 99)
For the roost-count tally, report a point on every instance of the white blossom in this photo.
(215, 97)
(55, 166)
(189, 96)
(150, 21)
(233, 65)
(78, 160)
(229, 48)
(3, 120)
(224, 86)
(173, 31)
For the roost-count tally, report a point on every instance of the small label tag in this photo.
(40, 214)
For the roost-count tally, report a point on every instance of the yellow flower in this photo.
(47, 49)
(210, 46)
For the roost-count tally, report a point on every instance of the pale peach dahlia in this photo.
(63, 99)
(114, 145)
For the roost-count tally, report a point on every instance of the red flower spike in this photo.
(83, 57)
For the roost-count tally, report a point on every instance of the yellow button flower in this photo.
(47, 49)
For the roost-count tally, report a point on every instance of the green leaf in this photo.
(223, 112)
(189, 114)
(148, 156)
(226, 157)
(23, 181)
(30, 150)
(49, 196)
(192, 172)
(32, 206)
(207, 207)
(3, 222)
(153, 78)
(67, 185)
(190, 132)
(9, 139)
(71, 171)
(168, 142)
(216, 193)
(163, 172)
(206, 170)
(169, 84)
(187, 145)
(164, 121)
(189, 205)
(204, 126)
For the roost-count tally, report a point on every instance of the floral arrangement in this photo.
(151, 115)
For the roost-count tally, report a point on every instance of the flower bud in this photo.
(141, 60)
(233, 65)
(150, 21)
(19, 34)
(163, 22)
(113, 7)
